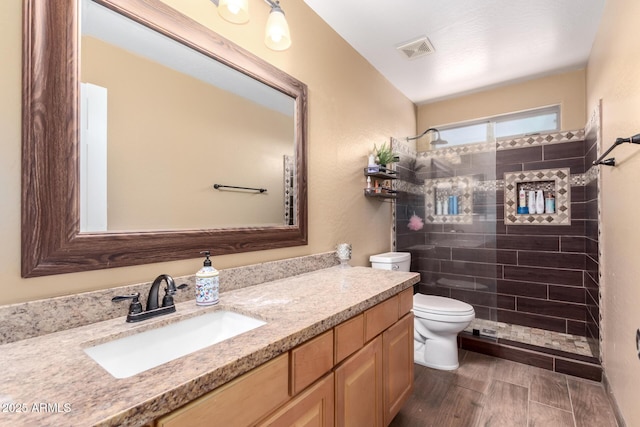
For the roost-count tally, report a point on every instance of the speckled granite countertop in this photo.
(50, 381)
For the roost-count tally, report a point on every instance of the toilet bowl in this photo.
(438, 320)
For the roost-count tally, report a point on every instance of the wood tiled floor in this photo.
(491, 392)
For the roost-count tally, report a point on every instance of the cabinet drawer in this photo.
(405, 302)
(380, 317)
(349, 337)
(310, 361)
(265, 388)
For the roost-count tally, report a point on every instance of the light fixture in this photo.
(235, 11)
(276, 36)
(434, 141)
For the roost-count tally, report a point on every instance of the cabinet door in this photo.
(397, 343)
(241, 402)
(359, 388)
(313, 408)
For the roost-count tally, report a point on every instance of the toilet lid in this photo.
(440, 305)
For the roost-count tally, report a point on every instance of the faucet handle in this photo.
(135, 307)
(168, 298)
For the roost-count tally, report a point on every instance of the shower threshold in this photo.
(539, 337)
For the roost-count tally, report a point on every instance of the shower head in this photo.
(434, 141)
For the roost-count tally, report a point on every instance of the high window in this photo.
(508, 125)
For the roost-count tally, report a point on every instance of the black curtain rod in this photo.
(635, 139)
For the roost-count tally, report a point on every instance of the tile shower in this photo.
(533, 279)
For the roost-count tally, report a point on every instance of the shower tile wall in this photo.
(543, 276)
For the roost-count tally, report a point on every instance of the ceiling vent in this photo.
(416, 48)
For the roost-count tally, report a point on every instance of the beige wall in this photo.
(351, 107)
(172, 136)
(566, 89)
(613, 75)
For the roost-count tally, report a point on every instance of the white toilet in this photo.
(438, 320)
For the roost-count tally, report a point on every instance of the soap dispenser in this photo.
(207, 283)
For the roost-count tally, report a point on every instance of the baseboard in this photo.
(612, 400)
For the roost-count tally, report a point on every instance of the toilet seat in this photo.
(440, 306)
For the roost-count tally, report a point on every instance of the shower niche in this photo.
(552, 182)
(449, 200)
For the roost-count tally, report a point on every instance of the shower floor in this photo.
(555, 340)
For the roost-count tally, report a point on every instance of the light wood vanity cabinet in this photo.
(310, 361)
(241, 402)
(373, 384)
(359, 373)
(359, 387)
(397, 366)
(313, 408)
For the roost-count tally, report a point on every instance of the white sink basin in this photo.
(130, 355)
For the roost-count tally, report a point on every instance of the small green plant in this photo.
(384, 154)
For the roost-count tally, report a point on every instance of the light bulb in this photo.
(276, 37)
(235, 11)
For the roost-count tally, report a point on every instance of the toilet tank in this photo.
(399, 261)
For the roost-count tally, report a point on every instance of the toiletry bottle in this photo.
(522, 202)
(532, 202)
(371, 166)
(550, 204)
(207, 283)
(368, 184)
(454, 209)
(439, 207)
(540, 202)
(445, 206)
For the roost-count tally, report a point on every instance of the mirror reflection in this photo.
(162, 123)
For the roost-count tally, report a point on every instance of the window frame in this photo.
(493, 120)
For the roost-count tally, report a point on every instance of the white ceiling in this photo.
(478, 43)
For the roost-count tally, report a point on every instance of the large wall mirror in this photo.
(131, 113)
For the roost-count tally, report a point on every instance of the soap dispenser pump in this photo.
(207, 283)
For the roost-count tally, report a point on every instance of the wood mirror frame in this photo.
(51, 239)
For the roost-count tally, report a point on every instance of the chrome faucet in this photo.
(136, 314)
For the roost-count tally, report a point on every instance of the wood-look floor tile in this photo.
(475, 372)
(591, 406)
(506, 405)
(429, 391)
(513, 372)
(461, 407)
(491, 392)
(546, 416)
(550, 388)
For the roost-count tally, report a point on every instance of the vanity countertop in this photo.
(49, 380)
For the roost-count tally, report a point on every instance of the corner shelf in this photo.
(379, 178)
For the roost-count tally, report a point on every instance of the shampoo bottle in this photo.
(550, 204)
(522, 199)
(539, 202)
(207, 283)
(532, 202)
